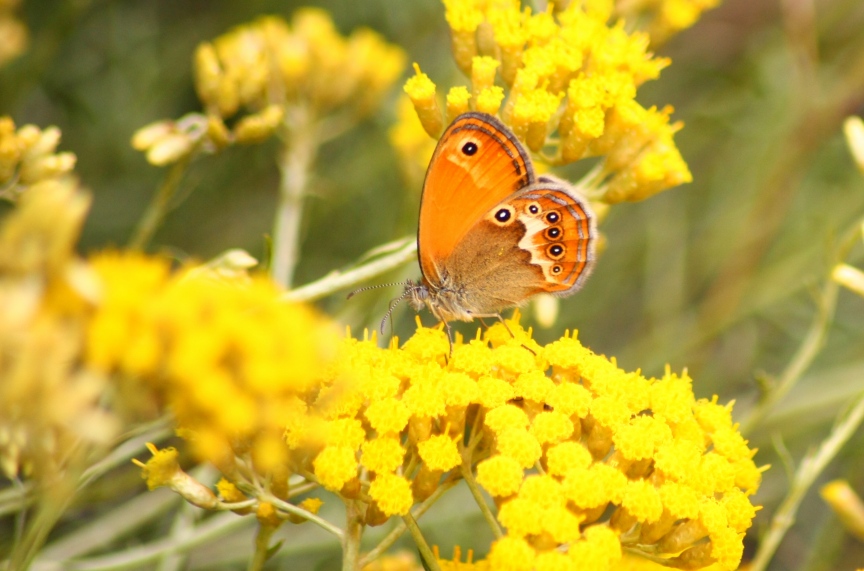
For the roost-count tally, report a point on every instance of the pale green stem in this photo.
(52, 505)
(803, 358)
(213, 528)
(159, 205)
(429, 560)
(810, 347)
(407, 251)
(474, 488)
(16, 498)
(353, 535)
(262, 547)
(397, 531)
(120, 521)
(182, 526)
(292, 509)
(810, 469)
(300, 145)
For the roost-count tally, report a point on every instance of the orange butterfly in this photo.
(491, 233)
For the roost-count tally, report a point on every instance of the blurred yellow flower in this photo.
(14, 33)
(27, 156)
(663, 18)
(232, 361)
(262, 75)
(51, 410)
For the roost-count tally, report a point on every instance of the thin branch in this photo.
(160, 205)
(474, 488)
(429, 559)
(292, 509)
(353, 535)
(300, 147)
(397, 531)
(803, 358)
(810, 469)
(217, 526)
(407, 250)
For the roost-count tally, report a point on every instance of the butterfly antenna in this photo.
(361, 289)
(393, 304)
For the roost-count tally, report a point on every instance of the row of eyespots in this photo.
(504, 215)
(552, 233)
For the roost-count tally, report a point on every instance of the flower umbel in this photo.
(569, 86)
(264, 74)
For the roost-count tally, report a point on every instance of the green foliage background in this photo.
(719, 276)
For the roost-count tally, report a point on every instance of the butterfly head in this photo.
(446, 304)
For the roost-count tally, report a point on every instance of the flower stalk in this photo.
(810, 469)
(295, 160)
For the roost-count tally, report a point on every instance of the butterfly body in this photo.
(491, 233)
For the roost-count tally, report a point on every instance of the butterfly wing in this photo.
(539, 239)
(560, 233)
(478, 163)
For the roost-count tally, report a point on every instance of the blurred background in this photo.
(721, 276)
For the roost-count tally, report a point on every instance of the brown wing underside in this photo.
(489, 270)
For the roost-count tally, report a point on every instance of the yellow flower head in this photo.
(27, 156)
(257, 74)
(563, 80)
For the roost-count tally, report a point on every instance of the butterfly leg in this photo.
(449, 340)
(507, 327)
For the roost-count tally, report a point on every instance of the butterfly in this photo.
(491, 233)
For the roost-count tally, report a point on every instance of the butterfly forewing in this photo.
(477, 164)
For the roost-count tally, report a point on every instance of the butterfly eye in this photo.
(556, 251)
(503, 215)
(556, 269)
(552, 217)
(533, 209)
(553, 233)
(469, 148)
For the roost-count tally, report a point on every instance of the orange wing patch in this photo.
(477, 164)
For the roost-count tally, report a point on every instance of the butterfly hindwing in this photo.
(559, 232)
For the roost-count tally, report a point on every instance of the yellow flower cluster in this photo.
(571, 80)
(274, 72)
(50, 409)
(562, 437)
(28, 155)
(13, 32)
(411, 142)
(663, 18)
(232, 362)
(582, 458)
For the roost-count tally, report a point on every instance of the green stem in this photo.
(262, 547)
(353, 535)
(159, 205)
(214, 527)
(407, 250)
(810, 469)
(429, 559)
(53, 503)
(292, 509)
(295, 163)
(397, 531)
(468, 476)
(804, 356)
(812, 344)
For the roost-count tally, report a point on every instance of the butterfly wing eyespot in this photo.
(560, 237)
(478, 163)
